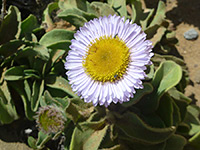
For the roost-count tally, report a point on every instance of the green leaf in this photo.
(153, 120)
(37, 91)
(56, 54)
(175, 142)
(165, 110)
(102, 9)
(158, 36)
(64, 14)
(119, 6)
(10, 48)
(181, 101)
(76, 20)
(176, 114)
(15, 73)
(66, 4)
(160, 15)
(148, 88)
(62, 84)
(72, 111)
(42, 139)
(192, 119)
(27, 26)
(88, 136)
(137, 12)
(49, 100)
(9, 25)
(150, 72)
(29, 73)
(177, 95)
(194, 141)
(57, 39)
(166, 77)
(32, 142)
(134, 145)
(23, 90)
(7, 108)
(135, 129)
(47, 20)
(33, 52)
(147, 16)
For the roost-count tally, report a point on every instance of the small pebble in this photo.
(28, 131)
(191, 34)
(195, 65)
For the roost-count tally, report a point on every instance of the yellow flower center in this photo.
(107, 59)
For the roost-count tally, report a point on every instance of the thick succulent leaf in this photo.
(76, 20)
(102, 9)
(66, 4)
(9, 25)
(181, 101)
(165, 110)
(10, 48)
(157, 21)
(160, 15)
(136, 129)
(23, 90)
(72, 111)
(134, 145)
(57, 39)
(183, 129)
(137, 12)
(47, 20)
(158, 36)
(175, 142)
(148, 14)
(42, 139)
(31, 73)
(7, 109)
(15, 73)
(153, 120)
(27, 26)
(119, 6)
(33, 53)
(166, 77)
(65, 13)
(177, 95)
(116, 147)
(32, 142)
(150, 72)
(88, 136)
(62, 84)
(49, 100)
(148, 88)
(176, 114)
(194, 141)
(37, 91)
(192, 119)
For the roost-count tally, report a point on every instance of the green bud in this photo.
(50, 119)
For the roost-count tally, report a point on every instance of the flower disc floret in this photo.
(107, 60)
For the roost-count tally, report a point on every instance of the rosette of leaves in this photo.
(31, 62)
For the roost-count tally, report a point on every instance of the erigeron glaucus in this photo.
(107, 59)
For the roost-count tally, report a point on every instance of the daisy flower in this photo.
(107, 60)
